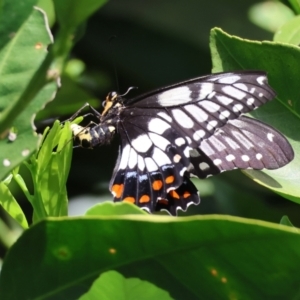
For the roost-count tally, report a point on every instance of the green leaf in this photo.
(10, 204)
(112, 285)
(295, 5)
(50, 169)
(280, 61)
(208, 257)
(16, 72)
(289, 32)
(270, 15)
(72, 13)
(110, 208)
(13, 15)
(286, 221)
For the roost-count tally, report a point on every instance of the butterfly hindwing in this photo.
(244, 143)
(150, 165)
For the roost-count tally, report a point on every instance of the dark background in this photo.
(158, 43)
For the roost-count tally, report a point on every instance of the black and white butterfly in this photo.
(193, 128)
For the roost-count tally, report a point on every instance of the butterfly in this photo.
(192, 128)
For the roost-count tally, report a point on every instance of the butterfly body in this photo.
(195, 128)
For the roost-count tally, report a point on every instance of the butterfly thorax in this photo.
(97, 134)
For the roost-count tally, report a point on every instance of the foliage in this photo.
(117, 251)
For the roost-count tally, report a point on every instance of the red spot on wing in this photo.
(163, 202)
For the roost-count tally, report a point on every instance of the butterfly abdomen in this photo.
(91, 137)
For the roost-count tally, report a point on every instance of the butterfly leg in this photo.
(93, 112)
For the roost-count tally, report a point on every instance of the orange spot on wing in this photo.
(174, 194)
(144, 199)
(170, 179)
(186, 194)
(117, 190)
(157, 185)
(129, 199)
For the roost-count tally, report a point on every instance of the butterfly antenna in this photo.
(113, 61)
(129, 89)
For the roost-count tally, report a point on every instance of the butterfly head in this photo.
(110, 101)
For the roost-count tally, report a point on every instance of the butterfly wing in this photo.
(169, 133)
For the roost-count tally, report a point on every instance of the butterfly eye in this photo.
(112, 96)
(103, 103)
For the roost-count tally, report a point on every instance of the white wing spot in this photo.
(199, 134)
(205, 89)
(245, 158)
(207, 149)
(217, 144)
(181, 173)
(211, 125)
(125, 157)
(211, 95)
(210, 106)
(158, 126)
(230, 157)
(232, 143)
(199, 114)
(224, 114)
(188, 139)
(165, 116)
(242, 138)
(141, 163)
(133, 159)
(203, 166)
(159, 141)
(182, 118)
(142, 143)
(258, 156)
(229, 79)
(180, 141)
(6, 162)
(217, 161)
(261, 80)
(174, 96)
(238, 107)
(186, 151)
(160, 157)
(241, 86)
(260, 95)
(176, 158)
(250, 101)
(150, 164)
(224, 100)
(233, 92)
(270, 136)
